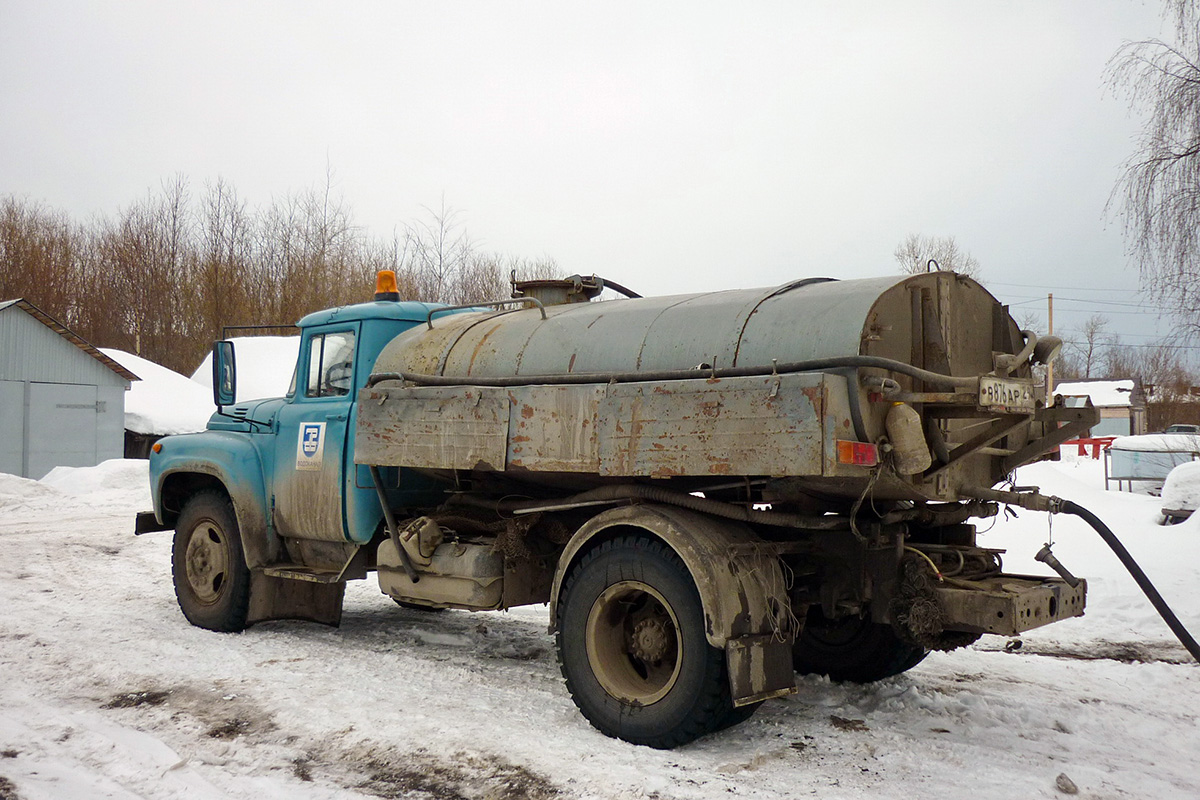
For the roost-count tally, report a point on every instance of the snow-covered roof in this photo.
(1103, 393)
(264, 366)
(163, 402)
(1158, 443)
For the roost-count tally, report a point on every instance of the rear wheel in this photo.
(212, 582)
(852, 649)
(633, 650)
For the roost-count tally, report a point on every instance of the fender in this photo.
(741, 585)
(737, 574)
(191, 462)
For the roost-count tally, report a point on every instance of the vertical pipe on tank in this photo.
(918, 341)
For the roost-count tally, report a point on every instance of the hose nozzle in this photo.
(1046, 557)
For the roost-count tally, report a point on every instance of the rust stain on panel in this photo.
(479, 347)
(768, 426)
(435, 427)
(555, 427)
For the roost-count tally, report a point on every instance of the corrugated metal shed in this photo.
(62, 401)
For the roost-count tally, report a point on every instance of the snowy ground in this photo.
(107, 692)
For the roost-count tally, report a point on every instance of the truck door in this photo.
(311, 440)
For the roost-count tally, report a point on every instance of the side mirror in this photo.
(224, 374)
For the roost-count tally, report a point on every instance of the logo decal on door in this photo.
(310, 448)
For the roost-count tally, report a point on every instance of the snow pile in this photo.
(117, 484)
(1182, 488)
(1103, 393)
(264, 366)
(163, 402)
(17, 494)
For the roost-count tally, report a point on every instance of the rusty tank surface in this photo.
(797, 384)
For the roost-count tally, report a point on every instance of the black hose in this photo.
(619, 289)
(1156, 600)
(811, 365)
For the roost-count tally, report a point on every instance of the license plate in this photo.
(1009, 394)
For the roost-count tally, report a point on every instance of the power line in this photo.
(1080, 310)
(1068, 288)
(1101, 345)
(1035, 299)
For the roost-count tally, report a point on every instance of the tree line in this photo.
(1165, 374)
(165, 274)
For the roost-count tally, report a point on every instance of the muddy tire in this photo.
(853, 649)
(736, 716)
(632, 647)
(212, 582)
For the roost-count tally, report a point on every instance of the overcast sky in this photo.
(670, 146)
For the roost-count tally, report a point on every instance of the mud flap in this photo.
(760, 667)
(283, 598)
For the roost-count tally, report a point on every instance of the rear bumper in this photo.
(1009, 604)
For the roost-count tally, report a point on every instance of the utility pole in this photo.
(1050, 366)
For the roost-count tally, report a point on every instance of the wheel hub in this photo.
(633, 643)
(649, 640)
(206, 562)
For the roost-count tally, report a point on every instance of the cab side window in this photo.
(330, 364)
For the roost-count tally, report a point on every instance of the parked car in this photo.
(1181, 493)
(1180, 428)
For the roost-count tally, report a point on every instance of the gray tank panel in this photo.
(747, 327)
(817, 321)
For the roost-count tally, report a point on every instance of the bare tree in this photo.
(1158, 195)
(225, 254)
(1067, 367)
(39, 257)
(916, 251)
(1160, 364)
(1089, 342)
(487, 277)
(163, 275)
(438, 250)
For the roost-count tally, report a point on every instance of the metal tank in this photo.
(733, 382)
(813, 318)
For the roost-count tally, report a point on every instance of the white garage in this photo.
(62, 401)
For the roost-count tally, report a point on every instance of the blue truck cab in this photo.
(270, 510)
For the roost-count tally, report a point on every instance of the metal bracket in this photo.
(510, 301)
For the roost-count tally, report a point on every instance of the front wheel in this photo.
(212, 582)
(852, 649)
(632, 646)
